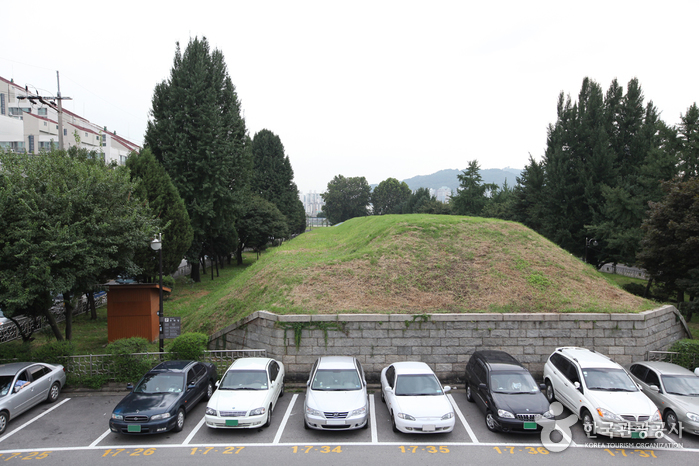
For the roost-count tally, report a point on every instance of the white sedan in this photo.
(415, 399)
(246, 395)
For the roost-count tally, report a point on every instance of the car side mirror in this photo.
(542, 387)
(129, 386)
(655, 388)
(447, 389)
(17, 389)
(482, 386)
(191, 386)
(308, 382)
(218, 382)
(696, 371)
(577, 386)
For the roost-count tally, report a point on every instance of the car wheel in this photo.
(393, 423)
(549, 392)
(588, 423)
(54, 391)
(3, 422)
(490, 422)
(671, 420)
(469, 395)
(269, 417)
(209, 390)
(179, 424)
(281, 392)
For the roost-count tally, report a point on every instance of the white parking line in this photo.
(101, 437)
(33, 420)
(374, 435)
(463, 419)
(672, 441)
(280, 431)
(194, 432)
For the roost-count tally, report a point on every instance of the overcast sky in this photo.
(376, 89)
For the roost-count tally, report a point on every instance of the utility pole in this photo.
(58, 106)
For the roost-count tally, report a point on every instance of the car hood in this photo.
(424, 406)
(635, 403)
(237, 400)
(146, 403)
(522, 403)
(688, 403)
(336, 400)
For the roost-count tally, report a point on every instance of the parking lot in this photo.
(76, 427)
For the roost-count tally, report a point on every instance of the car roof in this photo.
(587, 358)
(14, 367)
(178, 365)
(336, 362)
(250, 363)
(412, 367)
(499, 360)
(666, 368)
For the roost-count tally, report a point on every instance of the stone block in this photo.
(614, 350)
(294, 318)
(459, 333)
(444, 367)
(375, 334)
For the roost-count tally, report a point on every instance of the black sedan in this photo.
(161, 400)
(505, 392)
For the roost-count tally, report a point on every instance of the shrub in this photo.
(127, 366)
(54, 352)
(94, 381)
(189, 346)
(169, 282)
(635, 288)
(12, 350)
(688, 353)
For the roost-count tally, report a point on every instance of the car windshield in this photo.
(336, 379)
(161, 383)
(5, 384)
(686, 385)
(515, 382)
(608, 379)
(418, 385)
(244, 380)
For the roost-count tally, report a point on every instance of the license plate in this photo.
(640, 435)
(231, 422)
(133, 428)
(530, 425)
(336, 423)
(428, 428)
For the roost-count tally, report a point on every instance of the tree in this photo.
(390, 196)
(671, 238)
(68, 223)
(501, 203)
(155, 188)
(688, 141)
(346, 198)
(198, 135)
(472, 194)
(529, 201)
(259, 223)
(273, 179)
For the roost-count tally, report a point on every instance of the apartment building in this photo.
(31, 126)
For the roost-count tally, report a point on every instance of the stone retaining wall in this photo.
(446, 341)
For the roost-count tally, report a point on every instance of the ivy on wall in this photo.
(299, 327)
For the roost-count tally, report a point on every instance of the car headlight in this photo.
(313, 412)
(211, 411)
(407, 417)
(449, 415)
(505, 414)
(607, 415)
(693, 417)
(159, 416)
(359, 412)
(656, 417)
(257, 412)
(118, 417)
(548, 415)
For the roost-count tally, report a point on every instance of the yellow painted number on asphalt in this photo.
(428, 449)
(530, 450)
(322, 449)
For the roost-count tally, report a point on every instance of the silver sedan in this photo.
(26, 384)
(674, 390)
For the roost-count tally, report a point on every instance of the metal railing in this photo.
(91, 365)
(673, 357)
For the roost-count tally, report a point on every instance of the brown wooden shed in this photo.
(132, 311)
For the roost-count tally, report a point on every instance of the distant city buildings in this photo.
(31, 126)
(442, 194)
(312, 203)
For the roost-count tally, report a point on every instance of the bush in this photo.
(13, 350)
(189, 346)
(94, 381)
(688, 353)
(634, 288)
(169, 282)
(128, 367)
(54, 352)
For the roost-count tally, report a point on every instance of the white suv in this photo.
(601, 393)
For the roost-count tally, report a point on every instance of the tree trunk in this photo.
(52, 323)
(69, 315)
(194, 273)
(25, 337)
(202, 259)
(239, 256)
(645, 293)
(680, 296)
(91, 303)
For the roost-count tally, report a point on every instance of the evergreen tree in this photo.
(199, 136)
(472, 194)
(389, 197)
(154, 187)
(688, 143)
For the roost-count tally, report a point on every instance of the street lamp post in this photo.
(157, 245)
(588, 242)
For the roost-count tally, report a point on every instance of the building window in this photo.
(42, 112)
(65, 131)
(31, 143)
(86, 135)
(2, 104)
